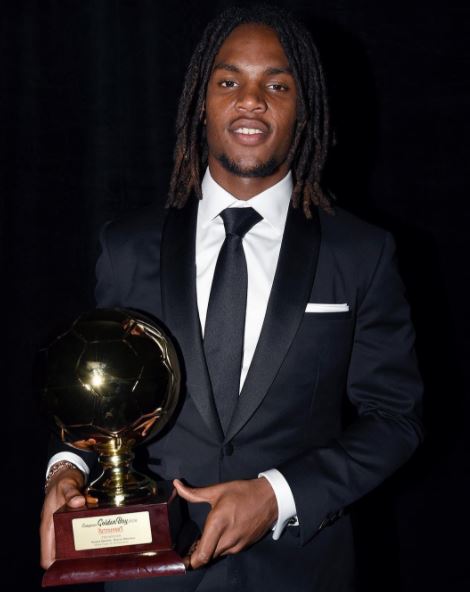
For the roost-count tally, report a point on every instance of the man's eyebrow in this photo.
(224, 66)
(272, 71)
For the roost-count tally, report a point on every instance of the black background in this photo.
(87, 106)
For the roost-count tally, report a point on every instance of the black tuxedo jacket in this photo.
(332, 400)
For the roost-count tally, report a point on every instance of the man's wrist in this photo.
(59, 467)
(270, 503)
(287, 511)
(71, 457)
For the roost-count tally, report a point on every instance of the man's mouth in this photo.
(248, 131)
(249, 126)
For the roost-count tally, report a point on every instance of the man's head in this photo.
(250, 110)
(253, 105)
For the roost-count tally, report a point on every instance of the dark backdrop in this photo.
(87, 106)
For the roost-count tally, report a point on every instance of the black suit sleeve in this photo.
(385, 388)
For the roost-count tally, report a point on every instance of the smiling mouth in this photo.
(247, 131)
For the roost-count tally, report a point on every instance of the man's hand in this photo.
(65, 487)
(242, 512)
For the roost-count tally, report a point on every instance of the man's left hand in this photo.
(242, 512)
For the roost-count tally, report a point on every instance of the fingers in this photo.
(196, 495)
(46, 531)
(207, 544)
(242, 513)
(90, 500)
(215, 539)
(191, 550)
(227, 547)
(64, 489)
(73, 497)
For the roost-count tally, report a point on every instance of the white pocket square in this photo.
(319, 307)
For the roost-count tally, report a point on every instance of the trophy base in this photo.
(104, 543)
(117, 567)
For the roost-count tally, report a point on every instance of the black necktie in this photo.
(225, 320)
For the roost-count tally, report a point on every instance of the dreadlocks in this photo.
(307, 155)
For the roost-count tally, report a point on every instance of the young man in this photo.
(286, 311)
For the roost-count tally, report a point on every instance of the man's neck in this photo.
(244, 188)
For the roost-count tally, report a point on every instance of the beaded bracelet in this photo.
(56, 467)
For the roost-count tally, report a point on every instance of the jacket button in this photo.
(228, 449)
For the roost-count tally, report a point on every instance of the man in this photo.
(289, 315)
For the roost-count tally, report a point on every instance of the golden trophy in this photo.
(111, 382)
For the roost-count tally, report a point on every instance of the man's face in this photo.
(250, 107)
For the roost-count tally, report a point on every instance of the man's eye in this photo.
(278, 87)
(228, 83)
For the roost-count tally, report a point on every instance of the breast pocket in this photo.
(322, 336)
(329, 335)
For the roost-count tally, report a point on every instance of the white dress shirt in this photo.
(261, 245)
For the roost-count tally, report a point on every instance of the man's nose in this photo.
(251, 98)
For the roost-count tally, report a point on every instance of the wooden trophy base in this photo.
(98, 544)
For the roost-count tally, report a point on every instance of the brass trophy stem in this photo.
(119, 484)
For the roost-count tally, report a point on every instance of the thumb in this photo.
(195, 495)
(73, 496)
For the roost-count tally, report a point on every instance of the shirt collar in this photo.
(272, 203)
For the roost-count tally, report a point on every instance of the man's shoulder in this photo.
(345, 230)
(353, 244)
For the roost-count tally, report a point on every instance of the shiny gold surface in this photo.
(111, 382)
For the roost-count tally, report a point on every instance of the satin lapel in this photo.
(289, 295)
(178, 286)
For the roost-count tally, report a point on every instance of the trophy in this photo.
(111, 382)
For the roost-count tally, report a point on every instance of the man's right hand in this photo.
(64, 488)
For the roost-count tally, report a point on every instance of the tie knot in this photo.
(238, 221)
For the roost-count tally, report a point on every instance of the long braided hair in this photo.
(308, 153)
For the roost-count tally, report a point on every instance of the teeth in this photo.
(248, 130)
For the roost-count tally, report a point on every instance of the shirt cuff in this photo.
(287, 512)
(70, 457)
